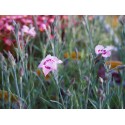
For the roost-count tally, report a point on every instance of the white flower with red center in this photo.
(49, 64)
(106, 52)
(29, 31)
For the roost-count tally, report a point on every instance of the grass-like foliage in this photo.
(62, 62)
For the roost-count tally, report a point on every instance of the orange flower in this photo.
(113, 64)
(115, 21)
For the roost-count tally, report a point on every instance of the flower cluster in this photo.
(27, 24)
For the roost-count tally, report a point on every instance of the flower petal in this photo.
(32, 32)
(56, 59)
(98, 48)
(46, 70)
(107, 54)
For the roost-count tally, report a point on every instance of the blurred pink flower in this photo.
(49, 64)
(42, 27)
(7, 41)
(9, 27)
(1, 24)
(27, 21)
(29, 31)
(51, 20)
(106, 52)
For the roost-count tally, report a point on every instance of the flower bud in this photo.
(26, 55)
(21, 72)
(11, 59)
(101, 80)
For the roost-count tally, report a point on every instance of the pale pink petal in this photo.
(60, 61)
(111, 48)
(107, 54)
(48, 57)
(40, 65)
(52, 65)
(9, 27)
(43, 61)
(46, 71)
(25, 29)
(32, 32)
(56, 59)
(98, 49)
(108, 51)
(43, 26)
(51, 20)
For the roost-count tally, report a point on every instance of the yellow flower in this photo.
(75, 55)
(66, 55)
(47, 77)
(112, 20)
(5, 96)
(54, 97)
(38, 72)
(115, 21)
(113, 64)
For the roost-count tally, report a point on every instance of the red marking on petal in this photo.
(47, 67)
(48, 61)
(104, 52)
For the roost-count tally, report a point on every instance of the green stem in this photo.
(9, 94)
(87, 95)
(16, 84)
(21, 92)
(36, 26)
(107, 93)
(57, 83)
(89, 32)
(2, 87)
(100, 103)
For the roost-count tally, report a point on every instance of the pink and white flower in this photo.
(29, 31)
(49, 64)
(106, 52)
